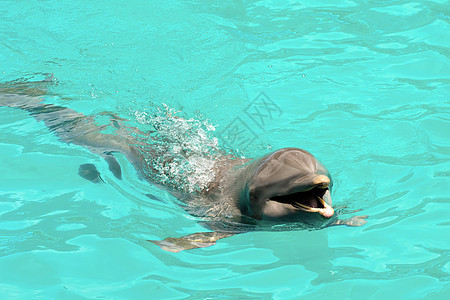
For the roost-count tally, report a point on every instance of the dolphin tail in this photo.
(192, 241)
(69, 125)
(28, 86)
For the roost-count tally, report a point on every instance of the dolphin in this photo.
(287, 186)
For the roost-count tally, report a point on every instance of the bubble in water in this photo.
(179, 152)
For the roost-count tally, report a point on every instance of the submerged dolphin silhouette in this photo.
(287, 186)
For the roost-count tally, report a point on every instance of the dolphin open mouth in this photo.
(310, 201)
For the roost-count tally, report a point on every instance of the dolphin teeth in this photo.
(309, 208)
(310, 200)
(320, 200)
(300, 205)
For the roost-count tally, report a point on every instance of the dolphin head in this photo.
(288, 184)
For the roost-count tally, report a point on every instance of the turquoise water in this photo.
(363, 85)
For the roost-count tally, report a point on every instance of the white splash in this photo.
(179, 152)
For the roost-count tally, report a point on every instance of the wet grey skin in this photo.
(283, 185)
(288, 185)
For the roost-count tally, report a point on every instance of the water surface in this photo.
(362, 85)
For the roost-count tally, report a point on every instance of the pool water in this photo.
(363, 85)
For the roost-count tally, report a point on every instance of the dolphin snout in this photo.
(322, 181)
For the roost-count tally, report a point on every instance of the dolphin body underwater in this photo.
(288, 186)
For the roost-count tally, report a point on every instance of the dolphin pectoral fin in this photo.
(353, 221)
(90, 172)
(113, 165)
(192, 241)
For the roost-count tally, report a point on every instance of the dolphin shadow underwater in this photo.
(288, 189)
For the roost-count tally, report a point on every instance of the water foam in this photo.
(179, 152)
